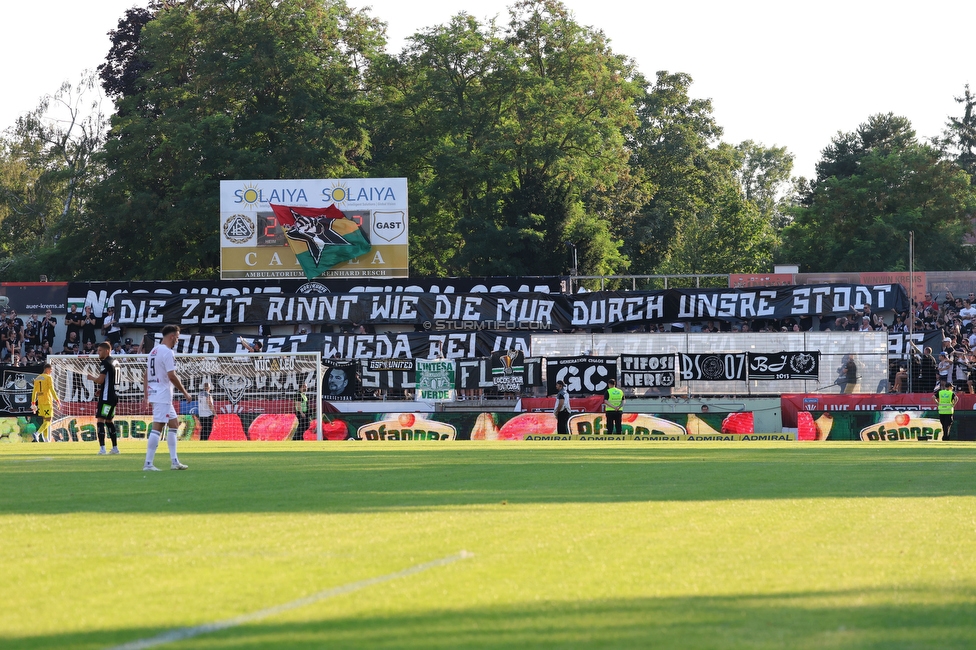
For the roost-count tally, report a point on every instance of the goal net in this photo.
(254, 396)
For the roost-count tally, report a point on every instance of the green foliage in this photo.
(48, 168)
(698, 218)
(874, 186)
(764, 174)
(959, 138)
(249, 89)
(504, 134)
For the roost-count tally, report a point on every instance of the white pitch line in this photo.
(190, 632)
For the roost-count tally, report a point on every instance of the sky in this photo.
(784, 74)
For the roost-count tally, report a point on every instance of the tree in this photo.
(873, 186)
(959, 138)
(727, 234)
(764, 174)
(222, 90)
(511, 134)
(47, 169)
(125, 63)
(697, 219)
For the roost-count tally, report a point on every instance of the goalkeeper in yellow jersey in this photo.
(43, 400)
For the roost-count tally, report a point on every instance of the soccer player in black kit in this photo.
(107, 398)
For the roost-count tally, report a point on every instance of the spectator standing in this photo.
(967, 313)
(16, 332)
(111, 327)
(944, 367)
(901, 381)
(850, 374)
(74, 322)
(6, 346)
(32, 332)
(48, 323)
(88, 324)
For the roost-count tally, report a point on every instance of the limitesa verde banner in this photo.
(327, 228)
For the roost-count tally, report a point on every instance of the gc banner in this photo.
(581, 375)
(713, 367)
(784, 365)
(647, 371)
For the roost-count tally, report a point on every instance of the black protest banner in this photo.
(900, 344)
(100, 294)
(784, 365)
(581, 375)
(473, 374)
(647, 370)
(435, 312)
(729, 366)
(385, 374)
(508, 370)
(613, 308)
(341, 380)
(533, 371)
(529, 311)
(409, 345)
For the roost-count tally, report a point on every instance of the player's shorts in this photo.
(163, 412)
(45, 411)
(105, 410)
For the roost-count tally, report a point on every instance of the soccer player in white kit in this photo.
(158, 389)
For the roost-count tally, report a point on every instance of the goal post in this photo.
(255, 396)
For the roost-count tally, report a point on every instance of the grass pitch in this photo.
(572, 545)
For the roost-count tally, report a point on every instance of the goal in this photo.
(255, 396)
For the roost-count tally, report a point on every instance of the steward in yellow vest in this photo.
(613, 407)
(946, 398)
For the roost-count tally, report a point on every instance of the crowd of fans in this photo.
(955, 318)
(30, 342)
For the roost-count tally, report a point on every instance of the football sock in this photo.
(110, 426)
(100, 427)
(171, 441)
(151, 445)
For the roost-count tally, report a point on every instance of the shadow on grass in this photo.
(369, 479)
(848, 619)
(363, 479)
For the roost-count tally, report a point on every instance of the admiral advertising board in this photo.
(256, 244)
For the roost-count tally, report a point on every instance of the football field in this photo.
(490, 545)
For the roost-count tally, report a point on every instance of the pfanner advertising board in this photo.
(314, 228)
